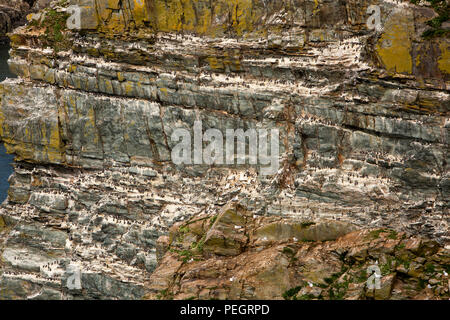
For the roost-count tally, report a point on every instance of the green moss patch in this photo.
(291, 293)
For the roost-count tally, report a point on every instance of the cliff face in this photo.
(362, 114)
(235, 255)
(12, 14)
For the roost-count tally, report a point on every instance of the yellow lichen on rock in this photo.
(2, 224)
(52, 143)
(113, 4)
(200, 16)
(31, 137)
(242, 18)
(139, 12)
(394, 46)
(444, 61)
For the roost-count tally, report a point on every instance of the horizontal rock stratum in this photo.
(363, 116)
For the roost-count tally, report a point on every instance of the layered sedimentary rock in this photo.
(362, 115)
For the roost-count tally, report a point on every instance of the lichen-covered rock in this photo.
(363, 117)
(227, 234)
(40, 4)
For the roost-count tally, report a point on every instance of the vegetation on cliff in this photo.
(248, 257)
(442, 8)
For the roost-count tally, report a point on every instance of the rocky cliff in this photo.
(363, 116)
(235, 255)
(13, 14)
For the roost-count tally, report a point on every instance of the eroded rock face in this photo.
(362, 115)
(12, 14)
(40, 4)
(290, 265)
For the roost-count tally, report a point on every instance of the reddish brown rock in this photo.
(283, 266)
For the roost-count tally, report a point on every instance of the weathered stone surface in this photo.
(227, 236)
(364, 125)
(12, 14)
(323, 231)
(291, 268)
